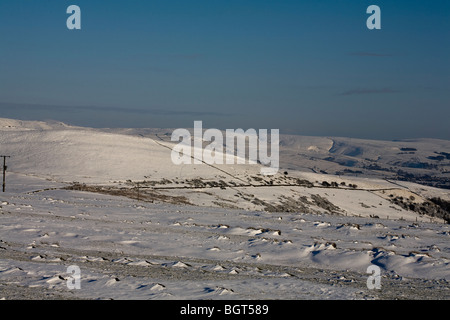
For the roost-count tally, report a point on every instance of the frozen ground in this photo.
(187, 239)
(129, 249)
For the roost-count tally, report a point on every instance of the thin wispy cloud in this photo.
(179, 56)
(159, 112)
(360, 91)
(369, 54)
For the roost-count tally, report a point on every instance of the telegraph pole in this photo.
(137, 183)
(4, 170)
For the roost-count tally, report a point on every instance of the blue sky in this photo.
(305, 67)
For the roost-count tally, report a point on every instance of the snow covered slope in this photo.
(138, 226)
(124, 160)
(69, 154)
(130, 249)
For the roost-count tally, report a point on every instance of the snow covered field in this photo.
(180, 236)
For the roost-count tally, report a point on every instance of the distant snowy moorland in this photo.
(111, 202)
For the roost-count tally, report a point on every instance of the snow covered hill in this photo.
(124, 160)
(112, 202)
(69, 154)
